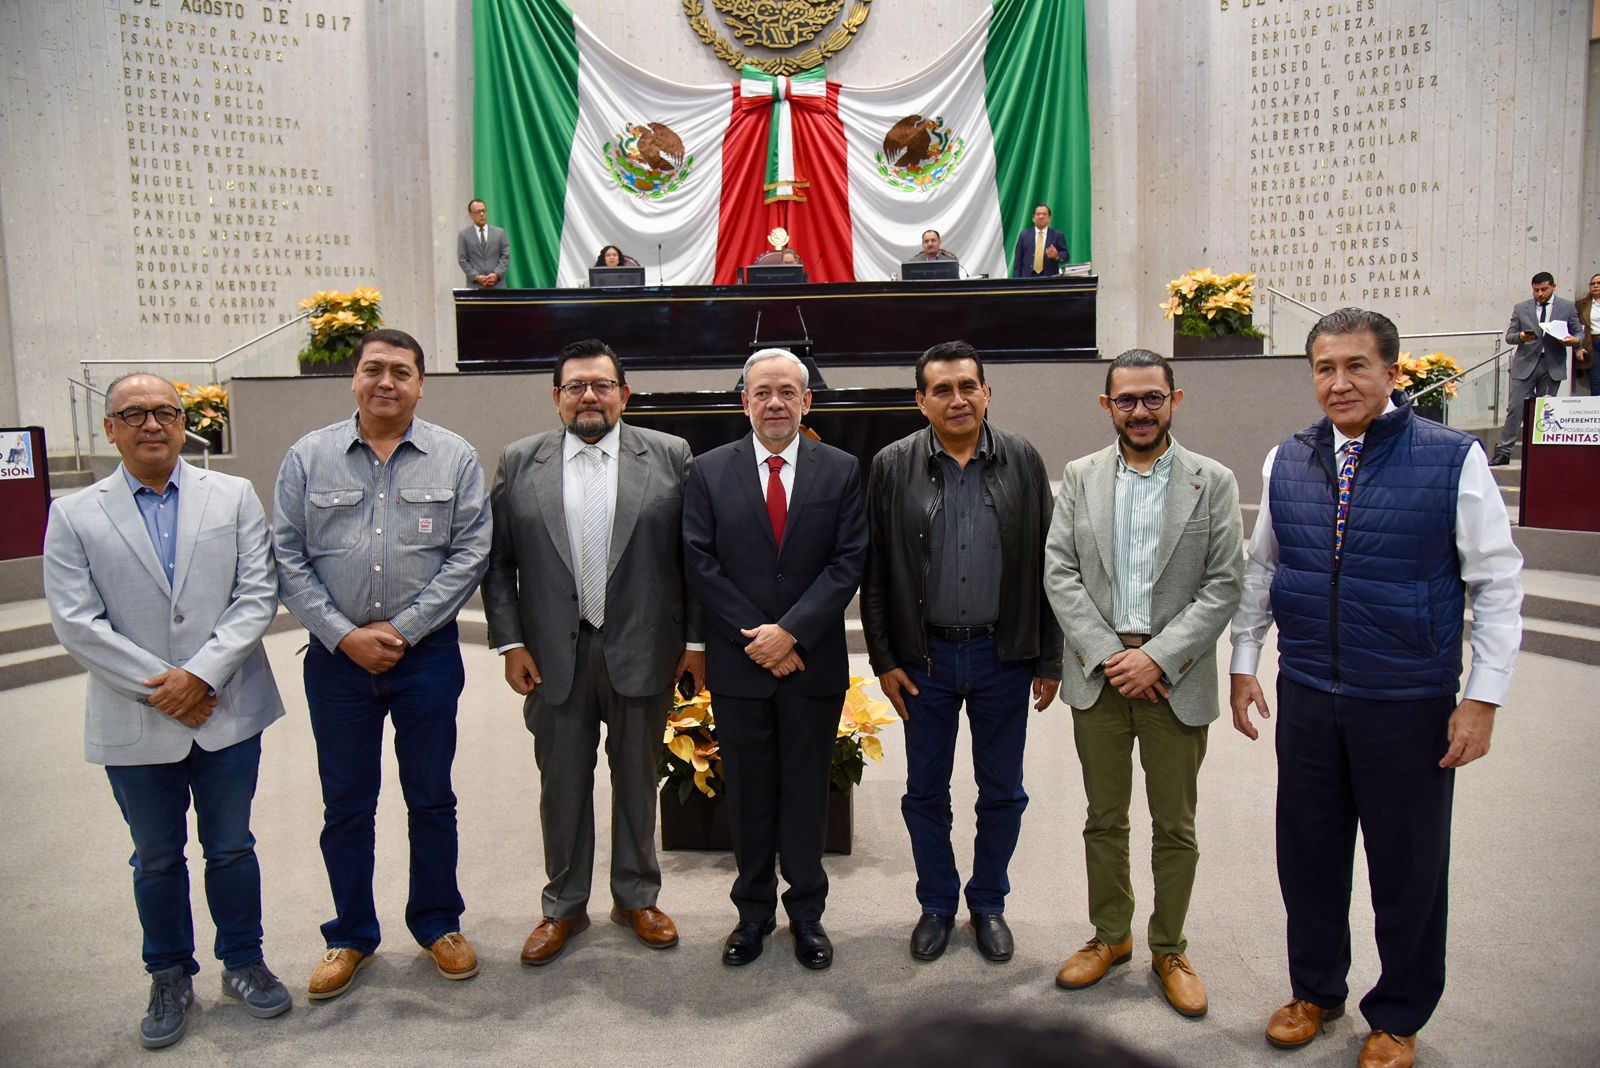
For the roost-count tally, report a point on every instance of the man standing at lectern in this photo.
(1376, 529)
(1540, 362)
(483, 251)
(1041, 249)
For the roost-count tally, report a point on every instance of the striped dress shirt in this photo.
(1136, 529)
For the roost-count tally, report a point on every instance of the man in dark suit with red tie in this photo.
(775, 541)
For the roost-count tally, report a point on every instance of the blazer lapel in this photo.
(1184, 486)
(546, 475)
(805, 473)
(117, 503)
(749, 483)
(194, 489)
(1101, 488)
(633, 486)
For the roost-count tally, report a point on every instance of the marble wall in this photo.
(176, 174)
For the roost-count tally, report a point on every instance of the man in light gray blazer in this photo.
(1540, 362)
(483, 251)
(585, 600)
(160, 584)
(1143, 567)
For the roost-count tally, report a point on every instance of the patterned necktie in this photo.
(1347, 476)
(777, 505)
(1038, 250)
(596, 536)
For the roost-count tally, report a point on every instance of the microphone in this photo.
(661, 279)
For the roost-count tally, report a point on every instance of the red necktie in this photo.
(777, 505)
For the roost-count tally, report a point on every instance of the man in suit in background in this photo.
(160, 584)
(1540, 362)
(1589, 315)
(1143, 567)
(482, 250)
(954, 614)
(775, 539)
(1041, 249)
(585, 601)
(1369, 665)
(932, 249)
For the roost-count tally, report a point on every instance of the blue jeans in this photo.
(996, 695)
(154, 799)
(348, 706)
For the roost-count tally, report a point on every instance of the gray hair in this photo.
(762, 355)
(1359, 321)
(111, 390)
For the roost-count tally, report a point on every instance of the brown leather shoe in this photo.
(1089, 965)
(1299, 1022)
(550, 938)
(336, 972)
(1383, 1050)
(652, 926)
(1180, 984)
(454, 956)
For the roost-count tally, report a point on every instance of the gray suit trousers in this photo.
(566, 736)
(1540, 385)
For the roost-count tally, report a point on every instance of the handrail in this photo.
(212, 363)
(77, 449)
(1460, 374)
(1284, 296)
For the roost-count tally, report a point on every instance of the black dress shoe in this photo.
(1500, 459)
(811, 945)
(994, 937)
(930, 936)
(745, 942)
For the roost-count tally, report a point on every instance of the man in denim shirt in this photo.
(382, 532)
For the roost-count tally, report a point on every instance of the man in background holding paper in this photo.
(1543, 329)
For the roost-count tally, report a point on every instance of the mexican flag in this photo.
(575, 148)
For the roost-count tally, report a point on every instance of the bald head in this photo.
(137, 380)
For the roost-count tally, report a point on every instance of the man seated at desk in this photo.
(932, 249)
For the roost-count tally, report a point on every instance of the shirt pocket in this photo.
(333, 521)
(424, 515)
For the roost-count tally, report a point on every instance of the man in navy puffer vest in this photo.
(1376, 527)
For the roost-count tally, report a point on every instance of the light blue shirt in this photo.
(160, 514)
(1141, 500)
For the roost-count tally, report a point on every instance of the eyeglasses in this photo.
(135, 417)
(1152, 402)
(602, 389)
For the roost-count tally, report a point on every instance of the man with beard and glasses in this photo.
(585, 600)
(954, 614)
(1144, 570)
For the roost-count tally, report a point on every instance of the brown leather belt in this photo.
(1133, 641)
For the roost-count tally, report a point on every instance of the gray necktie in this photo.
(596, 536)
(483, 237)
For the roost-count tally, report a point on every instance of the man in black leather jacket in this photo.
(954, 612)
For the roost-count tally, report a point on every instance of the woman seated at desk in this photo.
(612, 256)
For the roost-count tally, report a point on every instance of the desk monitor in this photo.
(774, 274)
(929, 270)
(615, 277)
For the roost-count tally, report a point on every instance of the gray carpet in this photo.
(1525, 941)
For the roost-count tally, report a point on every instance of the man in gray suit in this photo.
(1540, 361)
(1143, 568)
(585, 600)
(160, 584)
(483, 251)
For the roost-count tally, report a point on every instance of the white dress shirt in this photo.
(786, 475)
(1491, 566)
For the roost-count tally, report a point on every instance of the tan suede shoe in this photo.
(1383, 1050)
(1180, 984)
(454, 956)
(1299, 1022)
(548, 939)
(650, 925)
(1089, 965)
(336, 972)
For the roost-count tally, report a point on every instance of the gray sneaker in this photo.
(167, 1018)
(255, 985)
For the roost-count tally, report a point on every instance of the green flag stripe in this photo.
(1038, 101)
(525, 109)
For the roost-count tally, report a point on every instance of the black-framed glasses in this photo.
(603, 388)
(1152, 402)
(135, 416)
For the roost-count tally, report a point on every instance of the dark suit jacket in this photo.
(1022, 264)
(741, 580)
(475, 259)
(530, 592)
(1543, 353)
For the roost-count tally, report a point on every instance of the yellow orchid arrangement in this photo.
(205, 408)
(1418, 373)
(690, 761)
(1207, 304)
(339, 320)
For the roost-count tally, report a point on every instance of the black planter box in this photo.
(702, 822)
(1221, 345)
